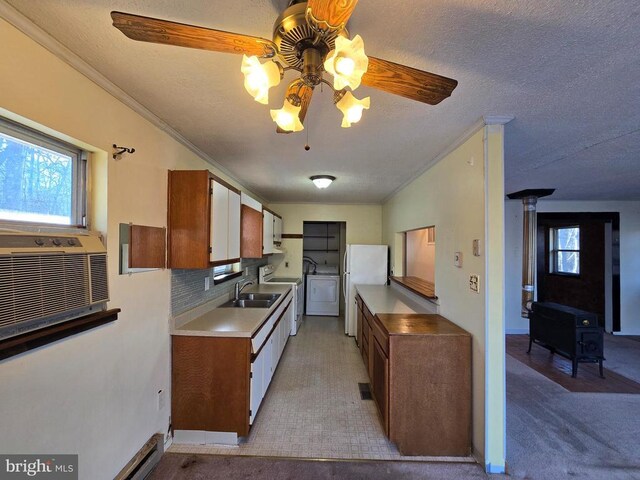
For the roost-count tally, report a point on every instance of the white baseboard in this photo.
(627, 332)
(516, 331)
(203, 437)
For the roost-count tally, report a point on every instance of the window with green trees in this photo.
(42, 180)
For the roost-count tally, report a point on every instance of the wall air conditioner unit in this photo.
(48, 279)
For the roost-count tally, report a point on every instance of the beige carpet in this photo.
(554, 434)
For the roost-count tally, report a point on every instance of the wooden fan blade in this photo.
(331, 14)
(305, 92)
(154, 30)
(408, 82)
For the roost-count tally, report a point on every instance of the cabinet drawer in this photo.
(380, 336)
(365, 331)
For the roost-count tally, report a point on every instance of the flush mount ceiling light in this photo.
(310, 38)
(322, 181)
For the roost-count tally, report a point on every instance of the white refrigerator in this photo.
(363, 265)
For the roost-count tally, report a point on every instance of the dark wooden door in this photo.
(586, 289)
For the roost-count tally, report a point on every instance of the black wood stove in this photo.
(570, 332)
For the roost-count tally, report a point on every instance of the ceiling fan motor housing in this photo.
(293, 35)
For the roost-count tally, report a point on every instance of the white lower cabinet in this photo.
(257, 390)
(265, 364)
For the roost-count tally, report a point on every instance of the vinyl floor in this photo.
(314, 408)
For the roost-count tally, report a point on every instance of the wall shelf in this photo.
(321, 237)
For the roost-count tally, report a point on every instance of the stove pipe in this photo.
(529, 220)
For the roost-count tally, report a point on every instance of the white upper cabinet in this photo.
(251, 202)
(219, 236)
(225, 223)
(233, 246)
(267, 232)
(277, 230)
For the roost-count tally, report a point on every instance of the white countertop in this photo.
(209, 321)
(386, 299)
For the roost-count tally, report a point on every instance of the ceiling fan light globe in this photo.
(287, 117)
(259, 78)
(352, 108)
(345, 66)
(347, 62)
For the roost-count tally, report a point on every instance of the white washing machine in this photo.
(323, 291)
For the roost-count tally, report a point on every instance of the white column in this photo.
(495, 385)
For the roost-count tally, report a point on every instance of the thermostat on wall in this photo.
(476, 247)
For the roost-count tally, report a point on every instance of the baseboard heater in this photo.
(143, 462)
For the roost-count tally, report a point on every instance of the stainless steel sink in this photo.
(258, 296)
(252, 300)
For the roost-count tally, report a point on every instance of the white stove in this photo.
(265, 275)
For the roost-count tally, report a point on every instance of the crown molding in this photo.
(38, 35)
(497, 119)
(467, 134)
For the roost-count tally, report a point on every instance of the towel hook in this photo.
(121, 150)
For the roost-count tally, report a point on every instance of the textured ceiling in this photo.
(568, 71)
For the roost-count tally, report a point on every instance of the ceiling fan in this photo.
(308, 37)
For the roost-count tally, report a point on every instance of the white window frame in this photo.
(553, 251)
(224, 273)
(80, 186)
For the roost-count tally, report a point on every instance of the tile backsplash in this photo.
(187, 286)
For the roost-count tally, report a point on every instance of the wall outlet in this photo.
(457, 259)
(286, 264)
(474, 283)
(162, 399)
(207, 283)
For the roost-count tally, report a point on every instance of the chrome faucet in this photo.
(238, 287)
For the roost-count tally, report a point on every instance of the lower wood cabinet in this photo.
(380, 383)
(218, 383)
(419, 368)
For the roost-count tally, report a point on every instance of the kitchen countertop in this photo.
(418, 324)
(209, 321)
(385, 299)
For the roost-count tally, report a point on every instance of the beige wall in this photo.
(451, 196)
(94, 394)
(364, 225)
(421, 255)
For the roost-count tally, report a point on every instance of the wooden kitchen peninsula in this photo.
(419, 365)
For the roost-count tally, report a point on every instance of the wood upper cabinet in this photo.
(251, 232)
(203, 219)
